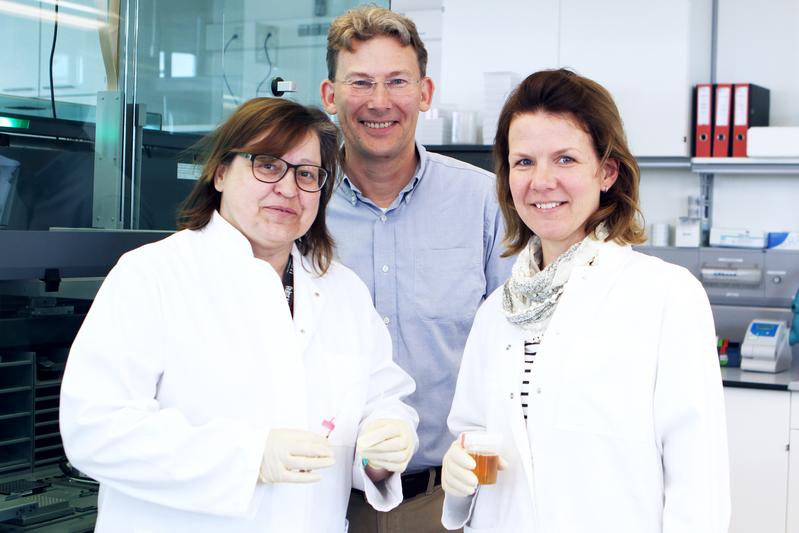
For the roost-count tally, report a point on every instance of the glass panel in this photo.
(49, 172)
(107, 147)
(197, 60)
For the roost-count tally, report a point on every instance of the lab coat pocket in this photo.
(486, 509)
(345, 415)
(332, 492)
(339, 402)
(601, 397)
(448, 283)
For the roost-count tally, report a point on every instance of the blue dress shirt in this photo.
(429, 260)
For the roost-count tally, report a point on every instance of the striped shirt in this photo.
(530, 349)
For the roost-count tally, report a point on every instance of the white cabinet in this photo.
(757, 427)
(793, 484)
(501, 36)
(648, 55)
(19, 41)
(793, 473)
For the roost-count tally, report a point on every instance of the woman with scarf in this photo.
(595, 364)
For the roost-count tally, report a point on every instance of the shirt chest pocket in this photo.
(449, 283)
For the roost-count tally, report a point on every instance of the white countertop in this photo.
(785, 380)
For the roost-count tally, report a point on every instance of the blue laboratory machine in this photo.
(765, 347)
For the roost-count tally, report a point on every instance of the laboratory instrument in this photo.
(765, 347)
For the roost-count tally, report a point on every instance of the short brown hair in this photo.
(285, 123)
(365, 22)
(562, 92)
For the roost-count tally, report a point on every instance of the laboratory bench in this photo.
(787, 380)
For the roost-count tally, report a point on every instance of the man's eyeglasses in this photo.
(366, 87)
(271, 169)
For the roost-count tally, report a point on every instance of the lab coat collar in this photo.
(589, 284)
(308, 293)
(612, 255)
(228, 239)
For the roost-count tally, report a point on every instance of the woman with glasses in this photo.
(224, 375)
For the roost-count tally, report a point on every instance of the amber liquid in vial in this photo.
(486, 469)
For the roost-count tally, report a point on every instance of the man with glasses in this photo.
(422, 230)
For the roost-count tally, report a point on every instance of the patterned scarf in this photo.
(531, 294)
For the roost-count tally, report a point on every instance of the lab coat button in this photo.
(383, 218)
(507, 347)
(538, 390)
(316, 294)
(386, 320)
(302, 331)
(511, 395)
(384, 268)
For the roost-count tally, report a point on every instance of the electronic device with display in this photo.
(765, 347)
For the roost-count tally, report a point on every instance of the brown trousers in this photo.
(420, 514)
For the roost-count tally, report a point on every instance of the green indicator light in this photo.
(8, 122)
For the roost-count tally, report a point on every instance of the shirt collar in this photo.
(353, 194)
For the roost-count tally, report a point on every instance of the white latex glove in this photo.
(457, 478)
(293, 455)
(386, 443)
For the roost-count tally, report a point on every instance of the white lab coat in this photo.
(186, 360)
(626, 428)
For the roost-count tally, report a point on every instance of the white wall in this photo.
(757, 42)
(501, 36)
(428, 17)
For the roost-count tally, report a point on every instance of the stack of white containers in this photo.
(434, 127)
(498, 86)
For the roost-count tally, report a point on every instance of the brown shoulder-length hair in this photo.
(562, 92)
(267, 126)
(365, 22)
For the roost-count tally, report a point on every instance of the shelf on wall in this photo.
(482, 153)
(699, 165)
(744, 165)
(654, 162)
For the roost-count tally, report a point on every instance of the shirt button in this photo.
(386, 320)
(384, 268)
(383, 218)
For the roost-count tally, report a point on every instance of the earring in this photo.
(604, 189)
